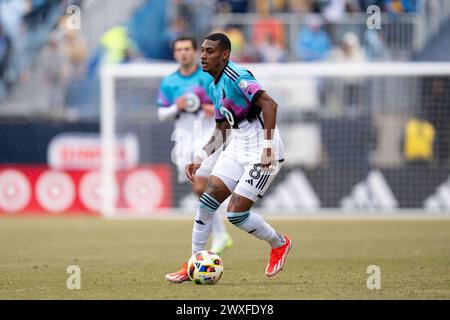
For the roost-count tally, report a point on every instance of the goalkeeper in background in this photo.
(183, 98)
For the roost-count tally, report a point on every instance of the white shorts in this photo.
(190, 136)
(238, 165)
(246, 180)
(204, 171)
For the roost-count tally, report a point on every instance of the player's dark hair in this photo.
(185, 38)
(224, 41)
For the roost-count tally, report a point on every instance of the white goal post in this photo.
(311, 81)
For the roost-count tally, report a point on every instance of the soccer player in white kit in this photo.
(183, 98)
(251, 161)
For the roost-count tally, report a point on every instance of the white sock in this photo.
(254, 224)
(219, 230)
(203, 222)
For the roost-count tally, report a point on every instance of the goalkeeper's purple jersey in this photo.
(234, 93)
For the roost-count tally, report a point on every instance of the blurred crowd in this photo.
(25, 26)
(265, 37)
(69, 64)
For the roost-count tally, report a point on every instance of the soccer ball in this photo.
(205, 267)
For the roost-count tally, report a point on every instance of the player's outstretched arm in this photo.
(269, 111)
(218, 138)
(170, 113)
(167, 113)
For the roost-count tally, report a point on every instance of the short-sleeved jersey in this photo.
(176, 85)
(234, 93)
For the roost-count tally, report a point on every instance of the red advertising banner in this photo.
(36, 190)
(75, 151)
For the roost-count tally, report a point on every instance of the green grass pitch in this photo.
(127, 259)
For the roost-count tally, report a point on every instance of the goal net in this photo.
(358, 138)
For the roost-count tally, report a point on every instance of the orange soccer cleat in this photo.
(278, 257)
(179, 276)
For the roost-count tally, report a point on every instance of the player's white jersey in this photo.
(234, 93)
(247, 143)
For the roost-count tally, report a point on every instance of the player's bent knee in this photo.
(217, 189)
(198, 189)
(207, 202)
(199, 185)
(239, 203)
(238, 218)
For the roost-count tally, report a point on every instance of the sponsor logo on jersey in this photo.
(243, 84)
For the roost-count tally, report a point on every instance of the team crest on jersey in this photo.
(243, 84)
(227, 114)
